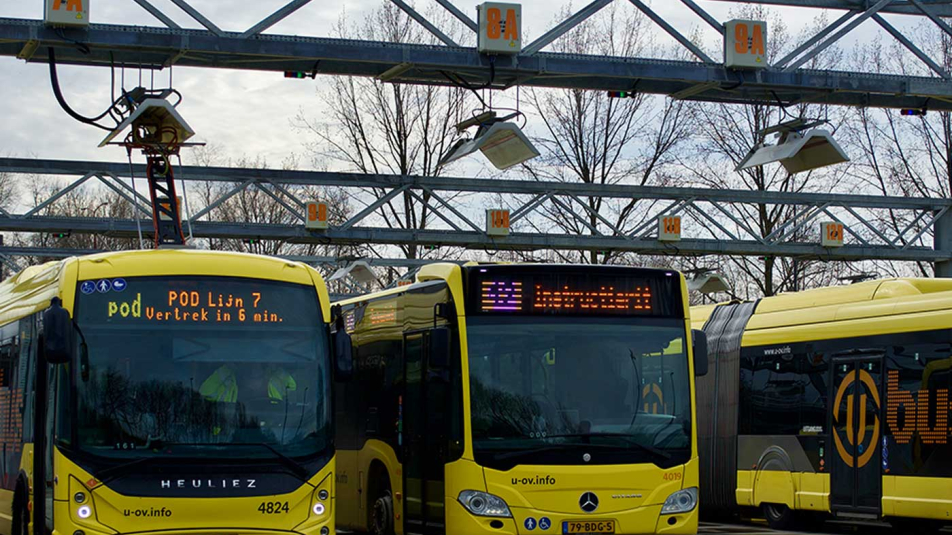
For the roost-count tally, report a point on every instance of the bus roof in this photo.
(30, 290)
(883, 298)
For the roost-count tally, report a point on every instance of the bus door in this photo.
(425, 432)
(857, 426)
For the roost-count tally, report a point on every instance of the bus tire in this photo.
(779, 516)
(914, 526)
(381, 504)
(21, 513)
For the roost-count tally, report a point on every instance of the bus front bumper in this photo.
(640, 520)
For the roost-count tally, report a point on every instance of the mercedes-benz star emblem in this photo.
(588, 502)
(587, 457)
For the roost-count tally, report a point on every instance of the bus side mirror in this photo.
(440, 348)
(700, 352)
(343, 355)
(58, 334)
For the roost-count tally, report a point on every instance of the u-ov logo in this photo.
(864, 448)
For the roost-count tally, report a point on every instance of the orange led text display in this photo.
(192, 306)
(605, 298)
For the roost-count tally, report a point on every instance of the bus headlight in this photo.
(484, 504)
(84, 512)
(682, 501)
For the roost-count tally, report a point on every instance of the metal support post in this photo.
(942, 243)
(165, 210)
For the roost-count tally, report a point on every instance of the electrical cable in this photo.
(135, 208)
(188, 212)
(82, 47)
(54, 80)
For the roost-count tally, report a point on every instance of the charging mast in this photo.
(157, 129)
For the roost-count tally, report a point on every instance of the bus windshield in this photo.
(195, 366)
(556, 390)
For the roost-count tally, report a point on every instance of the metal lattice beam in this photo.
(706, 80)
(718, 221)
(65, 252)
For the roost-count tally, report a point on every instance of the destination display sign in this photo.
(221, 301)
(570, 290)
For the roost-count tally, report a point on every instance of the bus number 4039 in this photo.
(273, 508)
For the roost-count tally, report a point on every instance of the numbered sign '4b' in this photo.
(500, 28)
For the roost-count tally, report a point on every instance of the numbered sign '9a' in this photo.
(497, 222)
(500, 28)
(745, 44)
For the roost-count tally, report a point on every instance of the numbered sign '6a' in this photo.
(497, 222)
(745, 44)
(500, 28)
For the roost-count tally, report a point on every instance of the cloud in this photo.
(247, 113)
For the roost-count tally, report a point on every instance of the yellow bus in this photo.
(184, 392)
(831, 402)
(492, 399)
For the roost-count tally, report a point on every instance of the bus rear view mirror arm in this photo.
(440, 348)
(343, 354)
(700, 352)
(58, 333)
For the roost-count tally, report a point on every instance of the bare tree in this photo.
(377, 127)
(88, 202)
(904, 156)
(725, 135)
(8, 191)
(590, 138)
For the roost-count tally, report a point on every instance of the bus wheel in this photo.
(779, 516)
(21, 514)
(914, 526)
(381, 514)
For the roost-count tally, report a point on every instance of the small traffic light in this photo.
(913, 112)
(622, 94)
(61, 235)
(298, 74)
(250, 241)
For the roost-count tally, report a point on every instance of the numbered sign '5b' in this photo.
(500, 28)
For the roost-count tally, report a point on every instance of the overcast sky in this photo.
(247, 113)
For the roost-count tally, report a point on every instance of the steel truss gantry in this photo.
(716, 222)
(706, 79)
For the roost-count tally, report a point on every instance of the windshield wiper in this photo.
(295, 467)
(550, 447)
(108, 474)
(650, 449)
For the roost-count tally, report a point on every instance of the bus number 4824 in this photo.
(273, 508)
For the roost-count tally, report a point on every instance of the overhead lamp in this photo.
(358, 270)
(800, 148)
(708, 282)
(503, 143)
(154, 122)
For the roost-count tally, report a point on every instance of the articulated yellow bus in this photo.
(184, 391)
(831, 401)
(491, 399)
